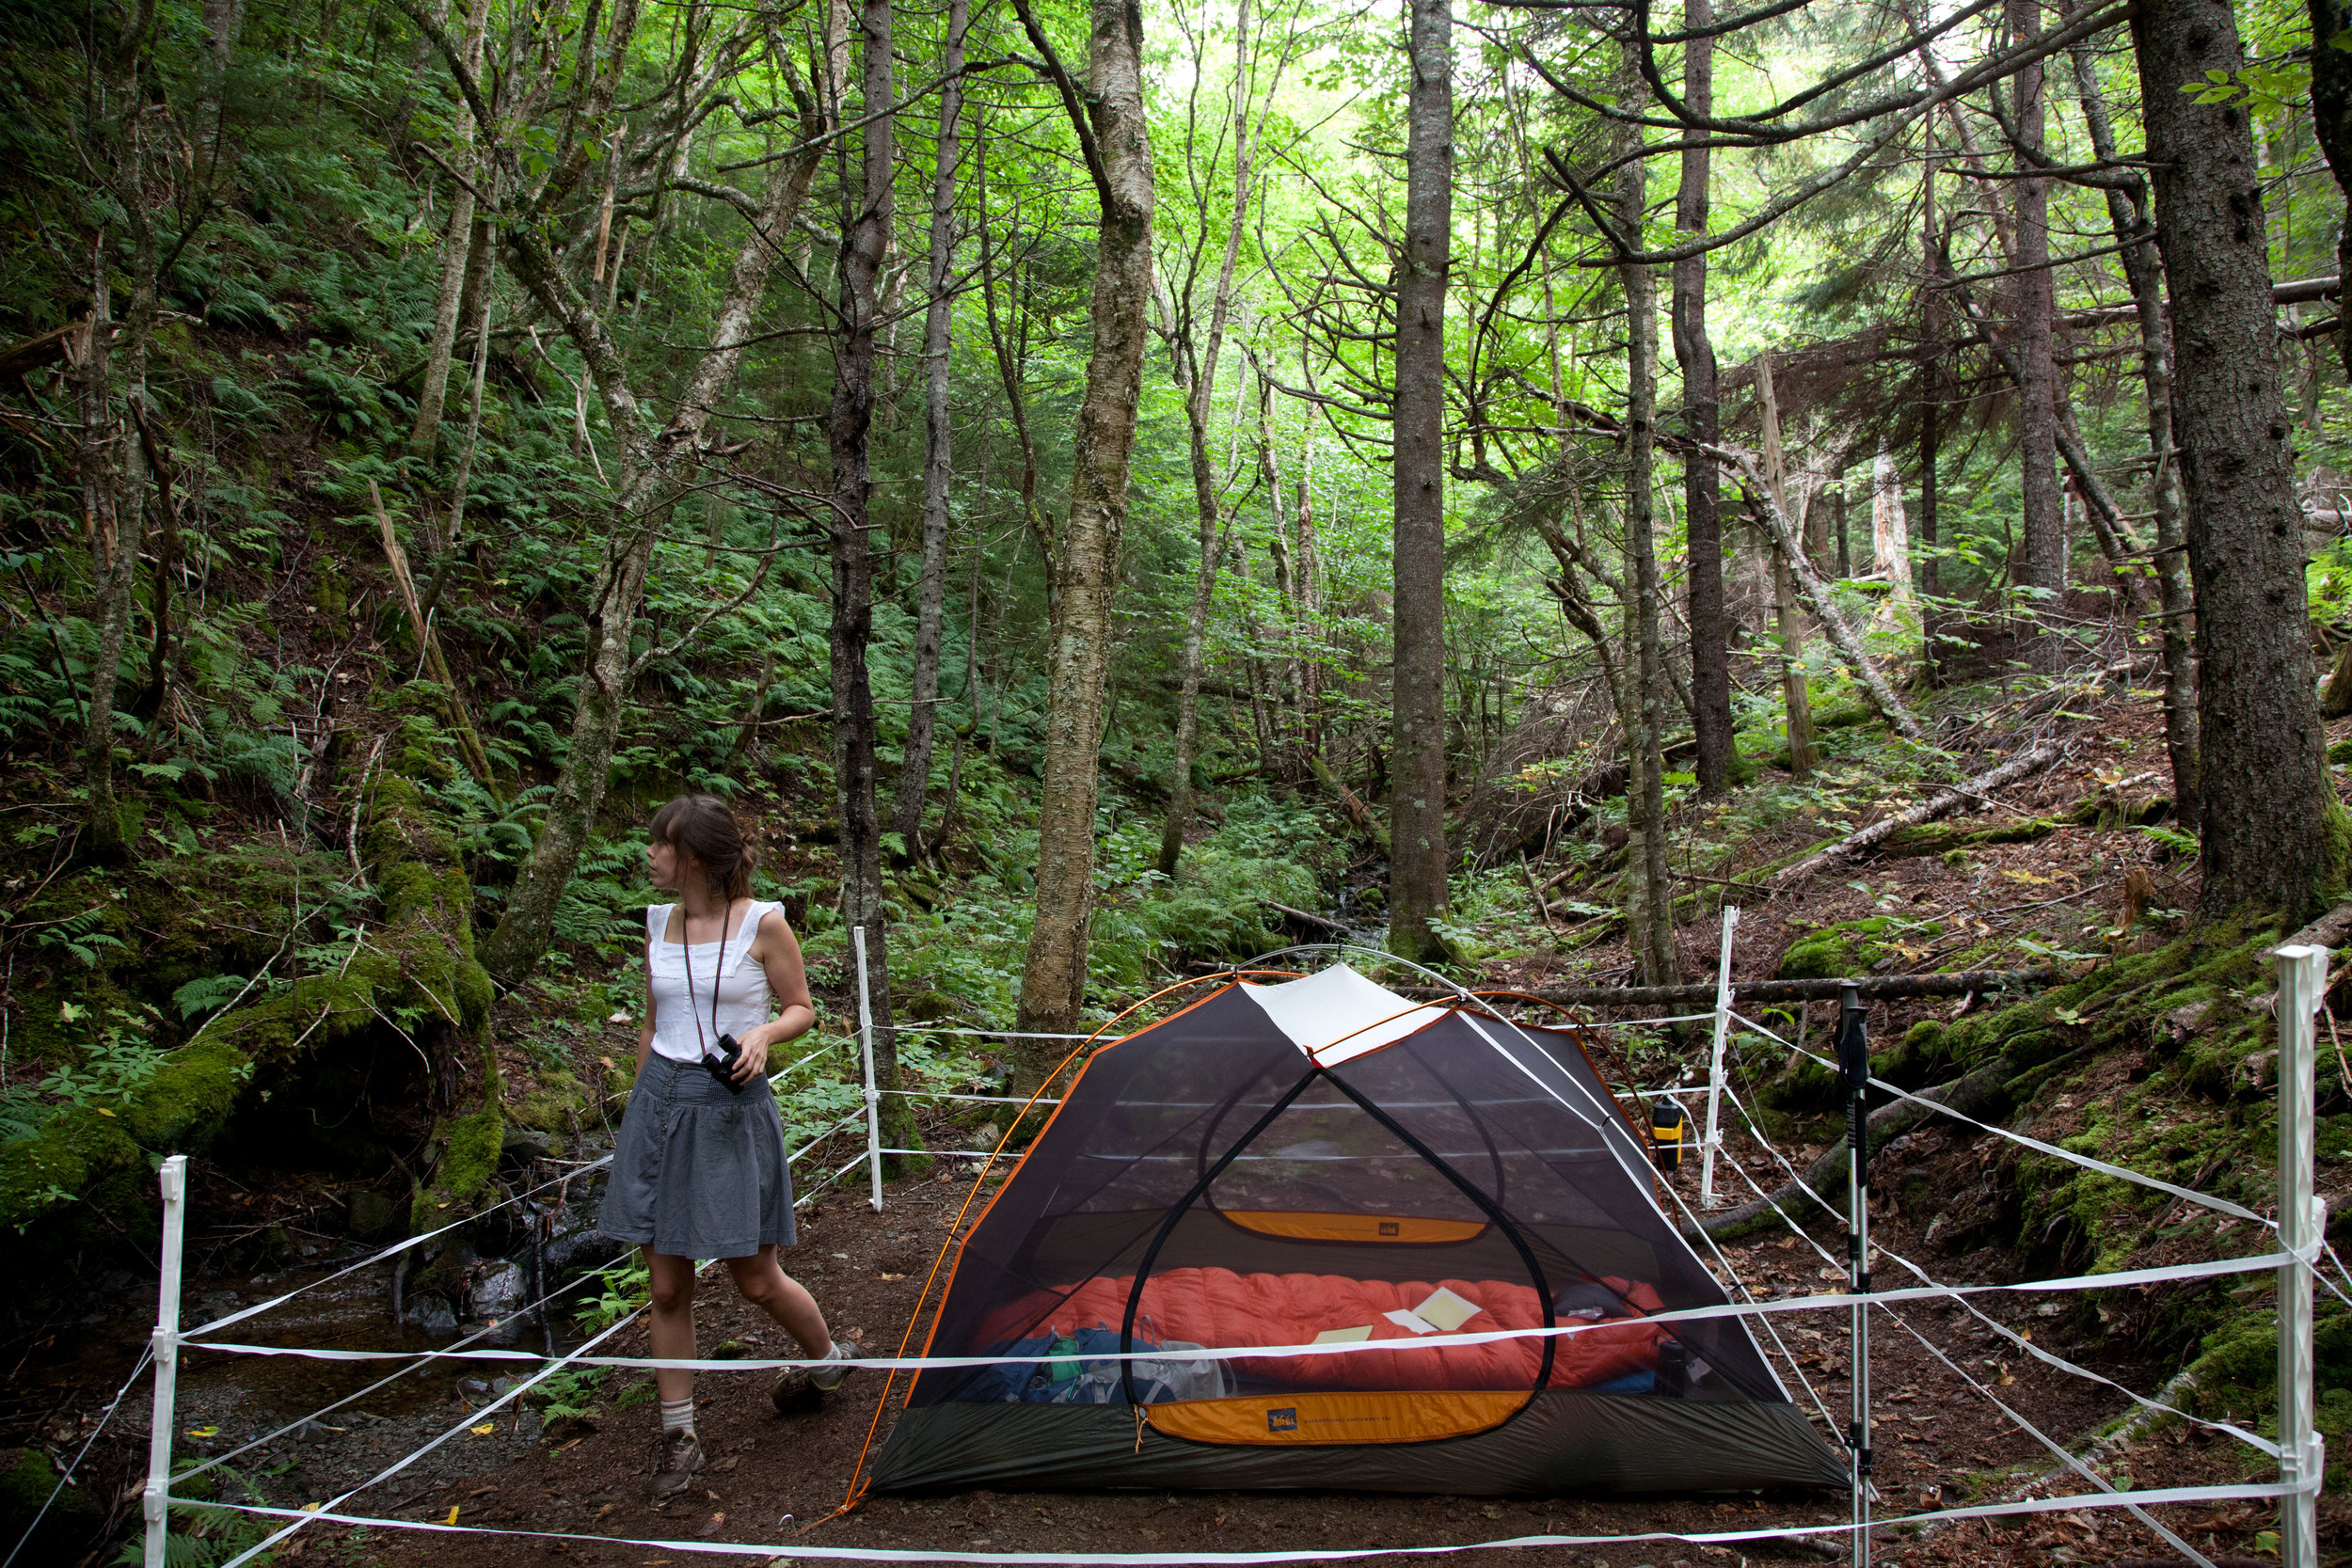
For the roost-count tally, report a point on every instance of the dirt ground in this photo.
(776, 1481)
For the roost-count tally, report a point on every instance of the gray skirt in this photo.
(699, 1171)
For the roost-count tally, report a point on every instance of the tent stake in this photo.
(1853, 1067)
(873, 1098)
(2302, 1223)
(156, 1501)
(1715, 1062)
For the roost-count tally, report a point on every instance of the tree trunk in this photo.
(1891, 539)
(1796, 699)
(223, 22)
(1789, 621)
(2331, 122)
(1416, 848)
(1702, 485)
(2257, 716)
(1930, 426)
(1053, 978)
(2127, 215)
(456, 247)
(1207, 521)
(520, 939)
(1815, 593)
(114, 472)
(111, 511)
(865, 245)
(915, 772)
(1652, 935)
(2031, 308)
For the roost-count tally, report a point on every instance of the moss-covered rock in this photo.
(1853, 947)
(27, 1480)
(467, 1158)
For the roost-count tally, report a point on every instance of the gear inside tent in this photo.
(1323, 1162)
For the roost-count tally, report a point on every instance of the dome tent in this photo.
(1323, 1160)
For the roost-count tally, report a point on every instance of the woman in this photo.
(699, 1171)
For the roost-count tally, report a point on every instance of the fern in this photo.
(212, 992)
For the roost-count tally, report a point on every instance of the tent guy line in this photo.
(2122, 1173)
(2212, 1268)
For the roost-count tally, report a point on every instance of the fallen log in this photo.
(1980, 1094)
(1325, 922)
(2016, 767)
(1815, 592)
(1876, 988)
(2329, 930)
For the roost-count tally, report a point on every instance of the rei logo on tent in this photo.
(1282, 1420)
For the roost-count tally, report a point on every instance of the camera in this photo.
(722, 1066)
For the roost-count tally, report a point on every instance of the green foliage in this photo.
(620, 1290)
(208, 994)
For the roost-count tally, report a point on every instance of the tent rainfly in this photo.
(1318, 1162)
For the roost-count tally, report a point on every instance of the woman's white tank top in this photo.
(745, 1001)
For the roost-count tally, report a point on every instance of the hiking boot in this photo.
(802, 1390)
(677, 1459)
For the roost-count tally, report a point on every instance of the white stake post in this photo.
(1715, 1063)
(173, 1179)
(2302, 1222)
(873, 1096)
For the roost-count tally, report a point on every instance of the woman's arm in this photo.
(779, 953)
(644, 1030)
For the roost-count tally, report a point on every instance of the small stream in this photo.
(1362, 905)
(472, 1287)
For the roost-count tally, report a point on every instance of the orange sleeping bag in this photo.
(1222, 1310)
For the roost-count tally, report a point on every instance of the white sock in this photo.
(678, 1416)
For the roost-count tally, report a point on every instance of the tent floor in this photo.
(1566, 1442)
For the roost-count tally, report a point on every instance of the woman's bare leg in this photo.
(776, 1293)
(672, 1327)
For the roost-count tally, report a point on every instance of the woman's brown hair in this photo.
(704, 827)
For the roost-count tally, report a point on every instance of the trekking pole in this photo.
(1853, 1072)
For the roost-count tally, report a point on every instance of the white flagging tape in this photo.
(978, 1099)
(1770, 1327)
(2212, 1268)
(471, 1418)
(2153, 1496)
(853, 1116)
(394, 1250)
(2052, 1359)
(399, 1247)
(456, 1352)
(2122, 1173)
(2047, 1357)
(991, 1033)
(2056, 1449)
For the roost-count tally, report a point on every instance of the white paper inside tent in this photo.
(1338, 1015)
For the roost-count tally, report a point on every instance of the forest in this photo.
(1588, 503)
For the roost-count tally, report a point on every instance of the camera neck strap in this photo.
(686, 952)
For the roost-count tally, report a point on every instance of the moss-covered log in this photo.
(417, 964)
